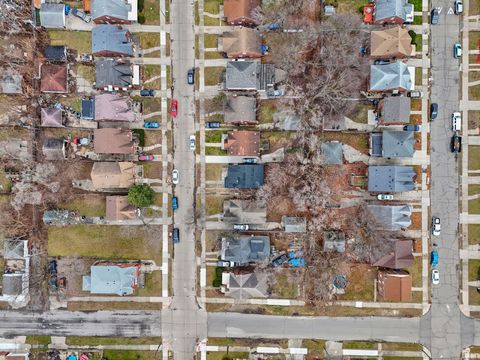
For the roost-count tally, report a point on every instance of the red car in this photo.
(145, 157)
(174, 108)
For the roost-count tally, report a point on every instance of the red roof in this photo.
(54, 78)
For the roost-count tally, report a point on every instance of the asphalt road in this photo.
(445, 316)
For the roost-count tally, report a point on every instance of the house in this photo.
(88, 109)
(54, 78)
(249, 75)
(392, 144)
(334, 241)
(51, 117)
(112, 41)
(391, 178)
(114, 141)
(239, 12)
(52, 16)
(394, 110)
(400, 257)
(393, 12)
(113, 175)
(245, 249)
(114, 11)
(244, 212)
(116, 74)
(56, 53)
(16, 270)
(242, 143)
(392, 218)
(244, 286)
(390, 77)
(332, 152)
(294, 224)
(244, 176)
(54, 149)
(394, 285)
(242, 43)
(10, 81)
(118, 208)
(393, 43)
(112, 278)
(240, 110)
(113, 107)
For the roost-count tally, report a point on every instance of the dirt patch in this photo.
(73, 269)
(416, 218)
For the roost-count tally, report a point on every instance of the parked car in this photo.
(436, 226)
(192, 142)
(151, 125)
(384, 197)
(456, 121)
(241, 227)
(224, 263)
(80, 14)
(145, 157)
(457, 50)
(381, 62)
(434, 16)
(434, 258)
(176, 235)
(411, 127)
(250, 160)
(174, 203)
(174, 108)
(415, 94)
(191, 76)
(435, 277)
(458, 7)
(175, 176)
(278, 92)
(433, 111)
(456, 144)
(212, 125)
(147, 92)
(279, 260)
(86, 58)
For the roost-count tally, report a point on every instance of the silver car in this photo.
(435, 277)
(436, 226)
(192, 142)
(175, 176)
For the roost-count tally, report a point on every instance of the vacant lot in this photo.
(100, 340)
(151, 12)
(213, 172)
(266, 110)
(131, 355)
(360, 283)
(78, 40)
(473, 157)
(87, 205)
(474, 206)
(151, 76)
(473, 234)
(214, 204)
(148, 40)
(213, 75)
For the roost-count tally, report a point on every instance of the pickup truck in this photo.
(456, 145)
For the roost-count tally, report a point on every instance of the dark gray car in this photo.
(434, 16)
(433, 111)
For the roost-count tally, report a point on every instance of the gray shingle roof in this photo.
(12, 284)
(111, 38)
(54, 149)
(52, 15)
(245, 176)
(112, 72)
(240, 109)
(332, 152)
(390, 178)
(376, 144)
(334, 240)
(113, 8)
(398, 144)
(294, 224)
(14, 249)
(111, 279)
(392, 218)
(245, 286)
(396, 109)
(390, 76)
(245, 211)
(249, 75)
(10, 81)
(246, 249)
(385, 9)
(56, 53)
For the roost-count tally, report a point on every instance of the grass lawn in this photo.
(209, 21)
(315, 348)
(131, 355)
(473, 269)
(360, 284)
(473, 157)
(152, 170)
(266, 110)
(473, 296)
(473, 119)
(360, 113)
(473, 234)
(86, 72)
(153, 285)
(213, 172)
(217, 355)
(106, 242)
(214, 151)
(359, 345)
(214, 75)
(197, 16)
(417, 20)
(148, 72)
(416, 104)
(418, 42)
(111, 305)
(210, 40)
(151, 11)
(418, 76)
(474, 8)
(87, 205)
(212, 55)
(284, 287)
(148, 40)
(78, 40)
(212, 6)
(474, 40)
(38, 340)
(415, 271)
(474, 92)
(402, 347)
(213, 136)
(100, 340)
(355, 140)
(417, 5)
(474, 206)
(473, 189)
(347, 6)
(149, 104)
(473, 75)
(214, 204)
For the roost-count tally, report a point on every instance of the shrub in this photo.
(141, 19)
(141, 195)
(141, 136)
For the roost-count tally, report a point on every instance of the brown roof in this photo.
(390, 43)
(118, 208)
(243, 143)
(400, 258)
(395, 287)
(113, 107)
(113, 175)
(54, 78)
(244, 42)
(113, 141)
(235, 10)
(51, 117)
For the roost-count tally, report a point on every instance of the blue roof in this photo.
(245, 176)
(398, 144)
(385, 9)
(390, 76)
(111, 38)
(88, 109)
(111, 279)
(112, 8)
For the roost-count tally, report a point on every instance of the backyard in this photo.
(78, 40)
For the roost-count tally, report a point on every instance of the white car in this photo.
(241, 227)
(436, 226)
(175, 176)
(435, 277)
(458, 7)
(456, 121)
(192, 142)
(384, 197)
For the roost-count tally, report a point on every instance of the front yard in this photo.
(474, 157)
(213, 75)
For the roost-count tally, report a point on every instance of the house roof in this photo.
(111, 38)
(239, 9)
(54, 78)
(242, 143)
(51, 117)
(113, 107)
(396, 109)
(398, 144)
(390, 76)
(113, 141)
(396, 287)
(113, 175)
(245, 211)
(243, 41)
(56, 53)
(239, 109)
(88, 109)
(390, 178)
(14, 249)
(118, 208)
(249, 75)
(332, 152)
(10, 81)
(54, 149)
(52, 15)
(286, 120)
(245, 286)
(245, 249)
(112, 279)
(113, 72)
(12, 284)
(245, 176)
(385, 9)
(120, 9)
(392, 218)
(294, 224)
(390, 43)
(334, 240)
(400, 257)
